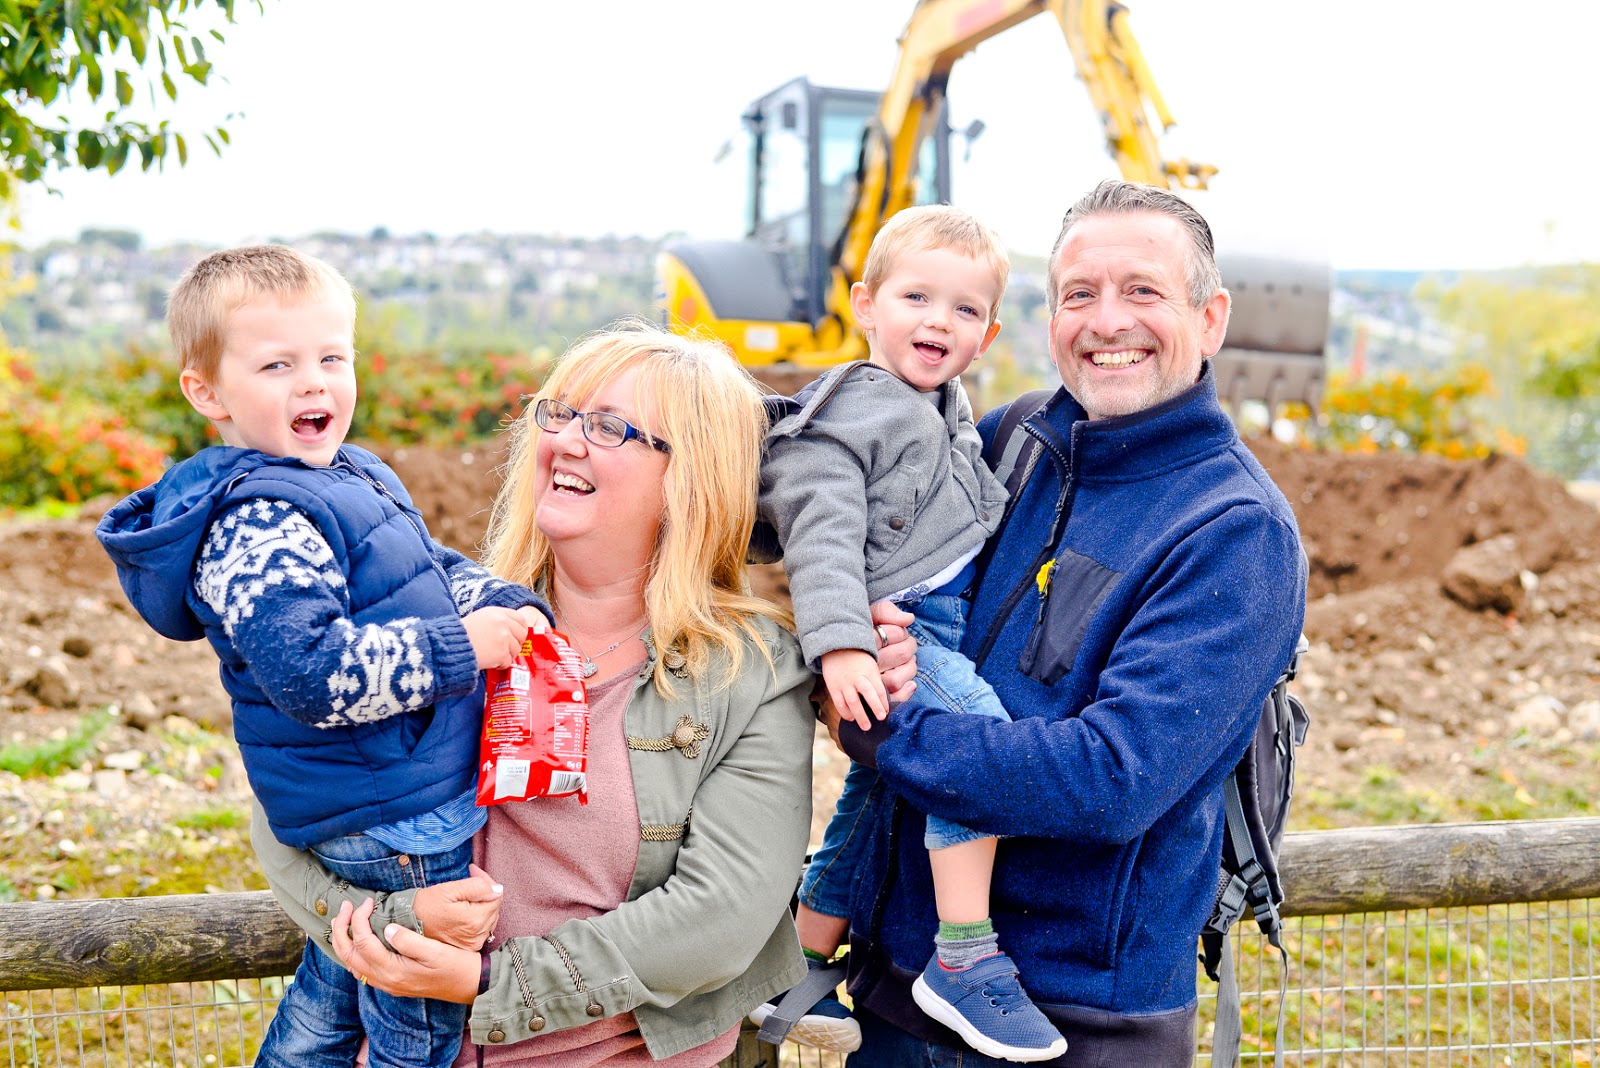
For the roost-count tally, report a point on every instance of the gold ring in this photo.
(883, 635)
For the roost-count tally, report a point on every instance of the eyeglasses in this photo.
(599, 428)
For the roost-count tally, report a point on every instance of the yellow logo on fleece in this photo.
(1042, 579)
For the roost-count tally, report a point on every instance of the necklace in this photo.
(589, 667)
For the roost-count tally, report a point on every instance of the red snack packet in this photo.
(535, 726)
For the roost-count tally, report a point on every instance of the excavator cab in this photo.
(803, 147)
(804, 153)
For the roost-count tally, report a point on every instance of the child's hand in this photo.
(538, 622)
(852, 677)
(496, 635)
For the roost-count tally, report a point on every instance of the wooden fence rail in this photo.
(197, 937)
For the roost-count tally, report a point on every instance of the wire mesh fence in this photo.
(208, 1024)
(1494, 985)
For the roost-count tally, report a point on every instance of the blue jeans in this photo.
(325, 1013)
(943, 676)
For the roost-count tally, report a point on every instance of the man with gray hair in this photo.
(1137, 605)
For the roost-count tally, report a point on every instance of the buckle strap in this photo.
(801, 998)
(1230, 905)
(994, 966)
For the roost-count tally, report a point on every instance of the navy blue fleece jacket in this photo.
(1134, 666)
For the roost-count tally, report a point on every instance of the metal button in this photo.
(497, 1035)
(594, 1009)
(897, 523)
(403, 860)
(536, 1023)
(983, 517)
(322, 908)
(683, 735)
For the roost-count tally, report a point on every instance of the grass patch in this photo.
(213, 819)
(54, 756)
(42, 510)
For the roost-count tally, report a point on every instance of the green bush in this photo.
(54, 446)
(73, 433)
(432, 400)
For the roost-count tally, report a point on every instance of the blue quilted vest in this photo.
(315, 783)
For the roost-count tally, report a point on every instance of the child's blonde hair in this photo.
(708, 409)
(936, 226)
(199, 306)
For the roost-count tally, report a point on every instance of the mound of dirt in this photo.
(1389, 517)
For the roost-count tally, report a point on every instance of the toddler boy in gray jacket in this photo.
(877, 490)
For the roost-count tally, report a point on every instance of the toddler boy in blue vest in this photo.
(352, 643)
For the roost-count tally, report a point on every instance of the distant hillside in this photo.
(418, 292)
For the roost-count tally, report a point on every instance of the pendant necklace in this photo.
(589, 667)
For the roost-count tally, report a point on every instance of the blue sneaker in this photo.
(808, 1012)
(987, 1007)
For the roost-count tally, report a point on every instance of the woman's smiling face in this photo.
(586, 491)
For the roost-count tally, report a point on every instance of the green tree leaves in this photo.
(103, 46)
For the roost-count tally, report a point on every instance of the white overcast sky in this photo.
(1382, 133)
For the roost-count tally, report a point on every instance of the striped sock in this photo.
(961, 945)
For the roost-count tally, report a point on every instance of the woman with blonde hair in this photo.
(644, 925)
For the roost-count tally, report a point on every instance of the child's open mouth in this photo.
(931, 350)
(310, 425)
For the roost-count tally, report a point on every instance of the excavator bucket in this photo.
(1278, 331)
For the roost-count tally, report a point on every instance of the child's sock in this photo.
(812, 954)
(961, 945)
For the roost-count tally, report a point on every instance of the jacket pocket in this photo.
(891, 513)
(1077, 586)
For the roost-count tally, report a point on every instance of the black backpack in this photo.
(1257, 793)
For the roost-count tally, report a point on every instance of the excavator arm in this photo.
(780, 298)
(939, 33)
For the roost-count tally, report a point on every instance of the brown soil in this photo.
(1443, 711)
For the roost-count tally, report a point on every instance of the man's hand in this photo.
(897, 650)
(461, 913)
(496, 634)
(851, 677)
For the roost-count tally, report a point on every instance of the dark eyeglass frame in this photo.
(593, 424)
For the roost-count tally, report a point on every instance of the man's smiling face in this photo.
(1124, 336)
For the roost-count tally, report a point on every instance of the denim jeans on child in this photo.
(944, 675)
(325, 1012)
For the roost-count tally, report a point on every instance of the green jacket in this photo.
(705, 933)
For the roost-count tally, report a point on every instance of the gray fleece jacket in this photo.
(872, 487)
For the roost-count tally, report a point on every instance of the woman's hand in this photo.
(897, 650)
(462, 913)
(417, 967)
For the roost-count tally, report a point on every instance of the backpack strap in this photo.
(802, 998)
(1011, 454)
(1252, 886)
(1005, 452)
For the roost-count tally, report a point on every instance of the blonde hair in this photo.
(199, 306)
(936, 226)
(697, 597)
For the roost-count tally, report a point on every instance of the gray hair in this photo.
(1114, 197)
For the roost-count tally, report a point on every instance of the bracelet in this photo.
(483, 968)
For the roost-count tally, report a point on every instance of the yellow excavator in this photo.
(828, 166)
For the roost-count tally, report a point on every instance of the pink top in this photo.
(560, 860)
